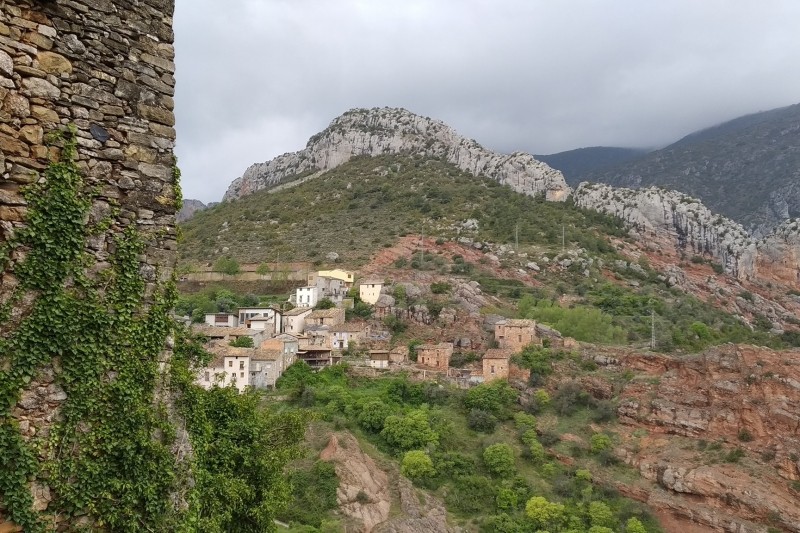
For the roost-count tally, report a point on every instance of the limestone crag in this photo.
(188, 209)
(655, 213)
(778, 256)
(382, 131)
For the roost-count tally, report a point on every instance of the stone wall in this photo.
(106, 68)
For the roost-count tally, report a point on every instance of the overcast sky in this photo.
(257, 78)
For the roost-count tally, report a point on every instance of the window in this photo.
(492, 369)
(241, 375)
(208, 375)
(230, 363)
(233, 376)
(520, 338)
(241, 365)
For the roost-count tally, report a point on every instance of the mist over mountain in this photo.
(577, 164)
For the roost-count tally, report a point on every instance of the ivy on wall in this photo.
(108, 455)
(92, 341)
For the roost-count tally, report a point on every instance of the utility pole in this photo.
(516, 238)
(652, 329)
(563, 241)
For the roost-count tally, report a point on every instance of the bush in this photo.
(472, 495)
(242, 342)
(600, 442)
(325, 303)
(482, 421)
(496, 397)
(441, 287)
(373, 414)
(569, 398)
(499, 460)
(227, 265)
(745, 436)
(412, 431)
(417, 465)
(544, 514)
(604, 411)
(314, 493)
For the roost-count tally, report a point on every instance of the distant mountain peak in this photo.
(389, 131)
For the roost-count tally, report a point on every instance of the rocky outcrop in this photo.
(366, 492)
(189, 208)
(696, 412)
(383, 131)
(657, 214)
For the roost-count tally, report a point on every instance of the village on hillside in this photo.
(253, 347)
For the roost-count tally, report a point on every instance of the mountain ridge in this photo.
(393, 131)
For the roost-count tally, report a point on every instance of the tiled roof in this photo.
(441, 345)
(518, 322)
(497, 353)
(326, 313)
(297, 311)
(222, 331)
(267, 355)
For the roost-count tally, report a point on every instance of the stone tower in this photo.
(104, 70)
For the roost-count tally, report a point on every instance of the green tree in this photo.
(240, 455)
(417, 464)
(634, 525)
(412, 431)
(296, 376)
(373, 414)
(499, 459)
(227, 265)
(495, 397)
(600, 514)
(544, 513)
(506, 500)
(535, 448)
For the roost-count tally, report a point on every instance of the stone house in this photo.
(496, 363)
(288, 344)
(343, 334)
(369, 290)
(326, 317)
(435, 355)
(516, 334)
(294, 320)
(266, 366)
(379, 358)
(224, 334)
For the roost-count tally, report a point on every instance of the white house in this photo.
(247, 314)
(370, 290)
(266, 366)
(231, 366)
(225, 320)
(342, 335)
(379, 358)
(307, 296)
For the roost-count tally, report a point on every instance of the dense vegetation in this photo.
(486, 457)
(376, 200)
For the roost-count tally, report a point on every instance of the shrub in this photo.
(373, 414)
(227, 265)
(600, 514)
(499, 459)
(524, 422)
(412, 431)
(496, 397)
(480, 420)
(417, 465)
(745, 436)
(569, 398)
(734, 455)
(634, 525)
(600, 442)
(242, 342)
(543, 513)
(441, 287)
(325, 303)
(506, 500)
(472, 495)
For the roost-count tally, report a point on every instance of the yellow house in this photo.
(346, 276)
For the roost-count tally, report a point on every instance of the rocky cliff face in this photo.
(716, 433)
(189, 208)
(655, 213)
(381, 131)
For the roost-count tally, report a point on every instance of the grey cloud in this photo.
(257, 78)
